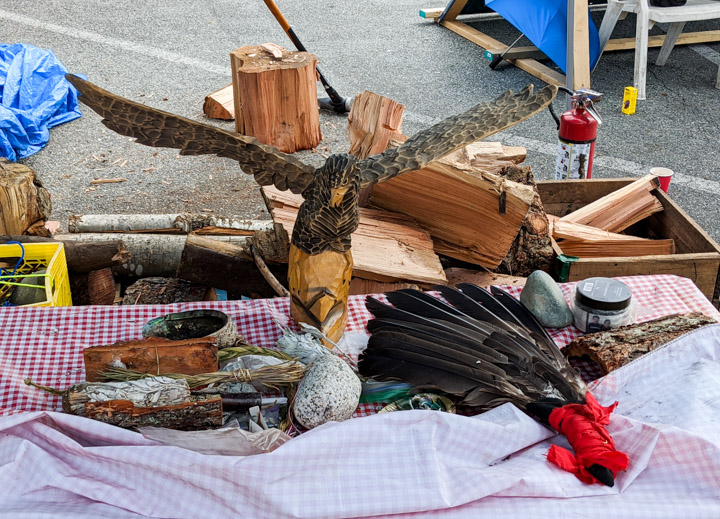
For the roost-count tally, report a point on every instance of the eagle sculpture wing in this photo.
(454, 132)
(157, 128)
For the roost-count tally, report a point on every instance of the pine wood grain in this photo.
(386, 247)
(220, 104)
(154, 355)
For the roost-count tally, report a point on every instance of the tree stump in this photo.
(24, 202)
(276, 97)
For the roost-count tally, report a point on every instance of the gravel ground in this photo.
(170, 54)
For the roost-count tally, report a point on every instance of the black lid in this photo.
(603, 294)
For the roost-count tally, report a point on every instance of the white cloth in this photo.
(420, 463)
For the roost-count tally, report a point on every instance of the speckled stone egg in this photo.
(330, 391)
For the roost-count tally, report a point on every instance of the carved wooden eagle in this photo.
(329, 214)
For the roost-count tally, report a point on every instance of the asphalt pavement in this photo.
(171, 54)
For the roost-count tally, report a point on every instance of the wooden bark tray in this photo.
(697, 255)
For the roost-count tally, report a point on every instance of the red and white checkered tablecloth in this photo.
(46, 344)
(405, 464)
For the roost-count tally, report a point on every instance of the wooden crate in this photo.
(697, 257)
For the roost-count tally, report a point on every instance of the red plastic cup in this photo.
(664, 175)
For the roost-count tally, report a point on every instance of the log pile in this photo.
(593, 231)
(475, 214)
(387, 246)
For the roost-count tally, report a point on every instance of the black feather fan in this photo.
(488, 339)
(482, 348)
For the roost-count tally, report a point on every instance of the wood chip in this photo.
(108, 180)
(275, 50)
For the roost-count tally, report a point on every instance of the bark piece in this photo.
(150, 254)
(163, 291)
(220, 104)
(154, 355)
(24, 202)
(614, 348)
(531, 249)
(181, 223)
(276, 98)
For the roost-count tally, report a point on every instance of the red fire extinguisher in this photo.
(577, 131)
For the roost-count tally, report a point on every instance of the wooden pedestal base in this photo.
(319, 289)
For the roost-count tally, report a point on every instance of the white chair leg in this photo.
(612, 13)
(641, 48)
(670, 39)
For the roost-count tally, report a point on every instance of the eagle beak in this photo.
(337, 195)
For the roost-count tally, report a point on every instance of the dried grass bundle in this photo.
(271, 376)
(232, 352)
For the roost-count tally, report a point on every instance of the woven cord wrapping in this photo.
(583, 425)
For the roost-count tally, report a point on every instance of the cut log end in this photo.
(275, 99)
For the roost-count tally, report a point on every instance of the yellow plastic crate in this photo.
(50, 256)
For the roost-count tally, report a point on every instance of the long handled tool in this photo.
(335, 101)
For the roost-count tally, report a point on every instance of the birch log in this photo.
(179, 223)
(150, 254)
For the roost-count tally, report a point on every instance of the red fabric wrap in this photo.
(583, 425)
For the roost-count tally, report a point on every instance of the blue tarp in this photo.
(34, 97)
(544, 22)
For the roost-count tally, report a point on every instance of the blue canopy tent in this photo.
(544, 23)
